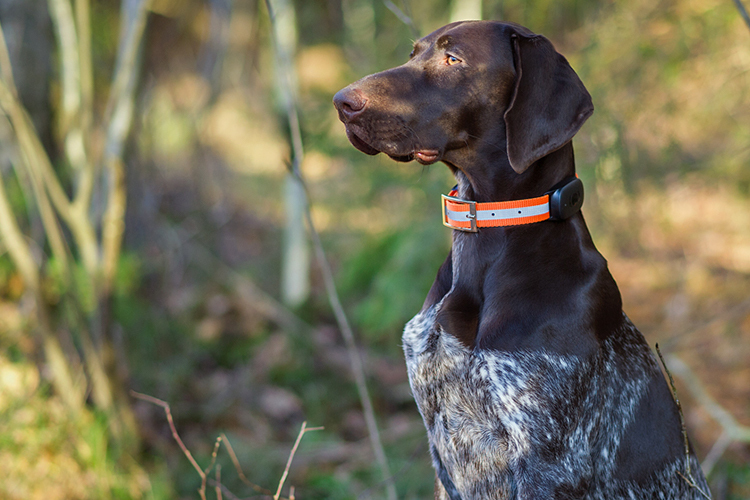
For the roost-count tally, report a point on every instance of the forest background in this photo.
(153, 240)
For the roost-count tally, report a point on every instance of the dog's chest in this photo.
(485, 411)
(533, 424)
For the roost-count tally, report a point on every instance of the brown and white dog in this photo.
(532, 382)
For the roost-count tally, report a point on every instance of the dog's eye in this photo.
(411, 54)
(451, 60)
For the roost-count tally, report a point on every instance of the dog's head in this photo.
(468, 85)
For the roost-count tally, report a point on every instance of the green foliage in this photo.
(129, 274)
(323, 484)
(45, 452)
(390, 276)
(73, 280)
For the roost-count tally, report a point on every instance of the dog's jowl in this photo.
(532, 382)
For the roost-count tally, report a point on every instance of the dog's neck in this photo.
(544, 263)
(494, 180)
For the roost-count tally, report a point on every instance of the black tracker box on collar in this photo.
(565, 198)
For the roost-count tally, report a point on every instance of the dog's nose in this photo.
(350, 103)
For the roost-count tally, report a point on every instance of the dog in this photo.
(531, 381)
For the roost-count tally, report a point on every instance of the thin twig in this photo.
(15, 243)
(83, 25)
(679, 409)
(6, 68)
(689, 478)
(217, 488)
(716, 452)
(263, 303)
(734, 431)
(36, 158)
(407, 20)
(210, 466)
(238, 468)
(354, 357)
(304, 429)
(691, 483)
(203, 473)
(333, 298)
(735, 313)
(134, 23)
(175, 435)
(722, 416)
(52, 228)
(29, 152)
(225, 491)
(743, 12)
(74, 138)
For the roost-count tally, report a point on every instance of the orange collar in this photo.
(559, 203)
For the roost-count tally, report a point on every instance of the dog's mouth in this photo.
(423, 156)
(359, 143)
(427, 156)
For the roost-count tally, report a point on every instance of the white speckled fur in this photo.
(488, 413)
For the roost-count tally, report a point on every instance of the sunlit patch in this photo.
(321, 68)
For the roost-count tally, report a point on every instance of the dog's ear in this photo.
(549, 102)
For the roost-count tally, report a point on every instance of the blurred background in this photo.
(151, 238)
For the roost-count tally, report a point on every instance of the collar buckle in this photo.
(471, 216)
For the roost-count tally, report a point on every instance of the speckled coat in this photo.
(533, 425)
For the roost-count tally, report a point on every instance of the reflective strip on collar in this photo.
(468, 215)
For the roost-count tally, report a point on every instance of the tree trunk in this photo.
(295, 271)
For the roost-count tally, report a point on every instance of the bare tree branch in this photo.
(73, 135)
(732, 430)
(37, 160)
(204, 473)
(16, 114)
(354, 357)
(238, 468)
(15, 242)
(6, 69)
(85, 122)
(403, 17)
(338, 310)
(716, 452)
(21, 123)
(689, 477)
(302, 432)
(83, 26)
(743, 11)
(175, 435)
(683, 427)
(99, 259)
(134, 14)
(736, 431)
(61, 13)
(119, 110)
